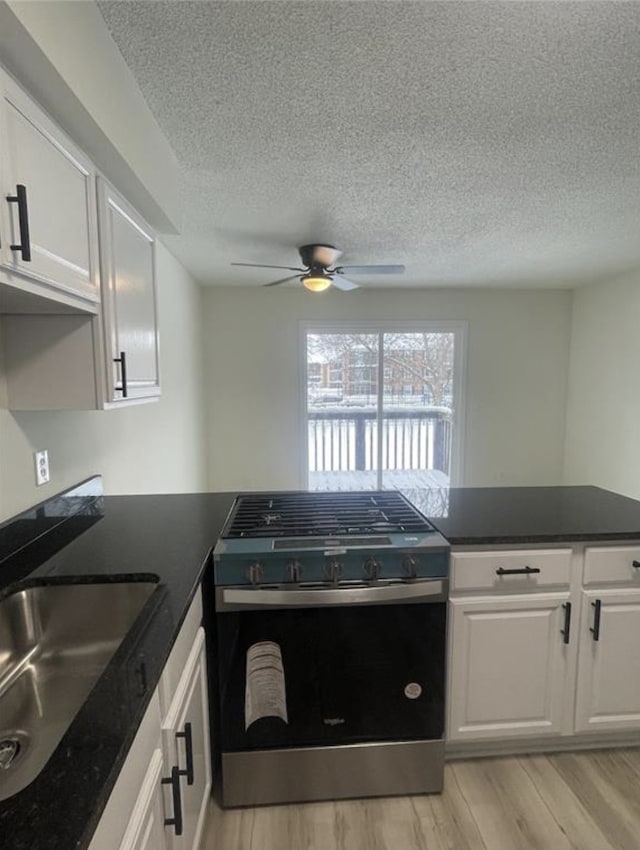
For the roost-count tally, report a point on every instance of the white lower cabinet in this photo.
(186, 746)
(530, 664)
(132, 809)
(146, 827)
(160, 798)
(507, 666)
(608, 692)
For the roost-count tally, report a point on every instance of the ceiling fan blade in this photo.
(371, 269)
(260, 266)
(282, 280)
(341, 282)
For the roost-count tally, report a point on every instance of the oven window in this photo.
(383, 409)
(351, 675)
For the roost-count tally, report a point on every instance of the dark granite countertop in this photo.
(120, 536)
(107, 538)
(502, 515)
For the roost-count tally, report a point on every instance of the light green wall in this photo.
(150, 448)
(603, 409)
(516, 379)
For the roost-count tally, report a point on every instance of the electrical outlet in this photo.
(42, 467)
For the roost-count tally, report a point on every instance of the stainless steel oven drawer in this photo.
(331, 773)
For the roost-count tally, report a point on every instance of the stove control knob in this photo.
(333, 570)
(372, 569)
(294, 570)
(255, 572)
(410, 567)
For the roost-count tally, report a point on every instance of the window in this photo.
(382, 405)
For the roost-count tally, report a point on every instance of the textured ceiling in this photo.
(480, 143)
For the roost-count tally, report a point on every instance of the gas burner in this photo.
(271, 519)
(308, 514)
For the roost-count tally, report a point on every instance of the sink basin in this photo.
(55, 642)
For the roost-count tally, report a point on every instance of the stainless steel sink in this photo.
(55, 642)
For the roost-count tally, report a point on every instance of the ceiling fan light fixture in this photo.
(316, 282)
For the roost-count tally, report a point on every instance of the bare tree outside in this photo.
(422, 361)
(364, 436)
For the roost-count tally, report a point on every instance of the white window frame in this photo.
(461, 331)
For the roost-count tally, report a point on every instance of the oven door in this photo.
(363, 664)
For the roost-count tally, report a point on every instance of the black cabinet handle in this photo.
(20, 198)
(595, 631)
(188, 746)
(141, 673)
(636, 564)
(566, 632)
(525, 571)
(122, 360)
(176, 820)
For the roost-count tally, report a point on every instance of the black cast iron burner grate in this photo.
(308, 514)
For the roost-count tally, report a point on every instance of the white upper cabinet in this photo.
(81, 362)
(127, 260)
(48, 230)
(77, 273)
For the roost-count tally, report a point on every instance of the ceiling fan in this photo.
(320, 271)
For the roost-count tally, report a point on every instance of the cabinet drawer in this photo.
(541, 568)
(180, 653)
(612, 565)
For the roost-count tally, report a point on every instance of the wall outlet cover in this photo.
(42, 467)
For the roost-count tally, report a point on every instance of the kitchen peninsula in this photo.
(579, 543)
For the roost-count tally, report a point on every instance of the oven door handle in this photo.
(234, 598)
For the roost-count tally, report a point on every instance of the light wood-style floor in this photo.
(586, 801)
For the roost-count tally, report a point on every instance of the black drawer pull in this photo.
(188, 746)
(176, 820)
(595, 631)
(566, 632)
(20, 198)
(636, 564)
(524, 571)
(122, 360)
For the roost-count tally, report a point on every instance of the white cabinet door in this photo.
(608, 695)
(146, 830)
(127, 261)
(55, 182)
(134, 808)
(186, 745)
(507, 666)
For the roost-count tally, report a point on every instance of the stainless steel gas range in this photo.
(331, 620)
